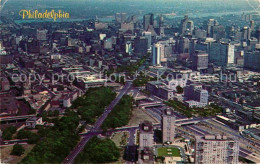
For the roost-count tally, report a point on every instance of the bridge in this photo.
(10, 119)
(154, 104)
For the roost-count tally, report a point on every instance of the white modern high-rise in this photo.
(168, 126)
(128, 47)
(157, 48)
(216, 149)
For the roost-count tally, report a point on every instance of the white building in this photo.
(168, 126)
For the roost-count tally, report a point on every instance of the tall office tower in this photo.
(252, 25)
(42, 35)
(123, 17)
(1, 45)
(148, 36)
(184, 45)
(246, 33)
(210, 27)
(146, 135)
(120, 17)
(218, 32)
(200, 60)
(217, 149)
(222, 54)
(187, 26)
(161, 32)
(140, 46)
(148, 19)
(252, 60)
(258, 35)
(200, 34)
(128, 48)
(160, 21)
(168, 126)
(157, 48)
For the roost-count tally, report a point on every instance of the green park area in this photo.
(98, 151)
(210, 110)
(93, 103)
(168, 152)
(53, 144)
(120, 115)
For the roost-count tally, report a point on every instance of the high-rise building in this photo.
(218, 32)
(200, 60)
(140, 46)
(200, 34)
(184, 45)
(222, 54)
(146, 135)
(120, 17)
(252, 60)
(187, 26)
(210, 25)
(128, 47)
(217, 149)
(1, 45)
(246, 33)
(148, 35)
(156, 60)
(252, 25)
(42, 35)
(168, 126)
(148, 19)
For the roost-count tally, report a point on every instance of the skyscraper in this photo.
(156, 60)
(120, 17)
(222, 54)
(168, 126)
(252, 60)
(200, 60)
(148, 36)
(128, 47)
(210, 25)
(246, 33)
(148, 19)
(140, 46)
(146, 135)
(187, 26)
(217, 149)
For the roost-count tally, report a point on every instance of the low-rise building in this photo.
(33, 121)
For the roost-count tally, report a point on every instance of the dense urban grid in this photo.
(135, 89)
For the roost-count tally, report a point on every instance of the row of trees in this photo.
(93, 103)
(210, 110)
(120, 115)
(98, 151)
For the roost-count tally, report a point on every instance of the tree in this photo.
(56, 113)
(32, 111)
(8, 133)
(179, 89)
(17, 150)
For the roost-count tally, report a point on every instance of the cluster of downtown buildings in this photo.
(38, 61)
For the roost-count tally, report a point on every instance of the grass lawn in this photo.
(168, 152)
